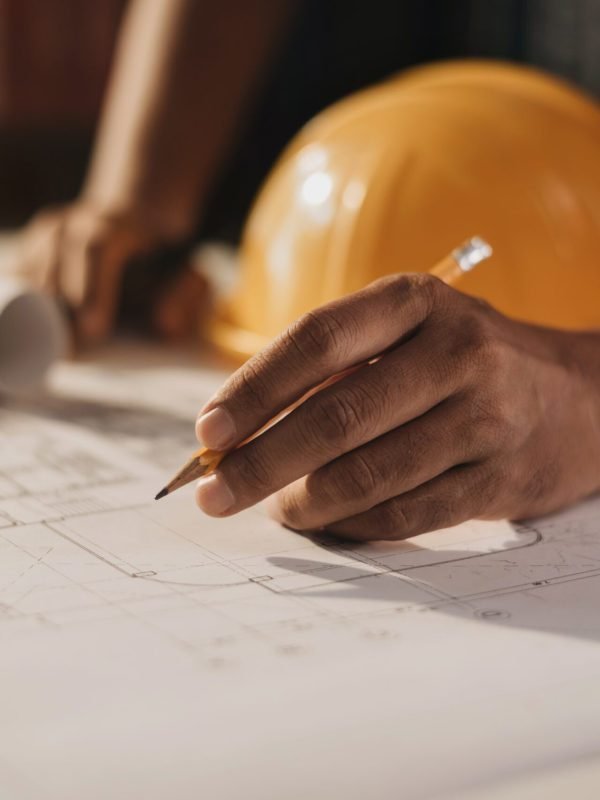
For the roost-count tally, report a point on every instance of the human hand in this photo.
(466, 414)
(79, 253)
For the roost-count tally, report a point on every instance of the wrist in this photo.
(141, 219)
(583, 354)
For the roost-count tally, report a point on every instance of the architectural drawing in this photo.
(82, 538)
(92, 568)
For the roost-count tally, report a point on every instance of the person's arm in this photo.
(184, 72)
(466, 414)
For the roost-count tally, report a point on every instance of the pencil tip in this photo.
(162, 493)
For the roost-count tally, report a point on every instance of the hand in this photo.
(79, 253)
(466, 414)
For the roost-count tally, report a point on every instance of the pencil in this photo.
(450, 269)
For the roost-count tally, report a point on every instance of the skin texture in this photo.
(184, 73)
(78, 252)
(467, 414)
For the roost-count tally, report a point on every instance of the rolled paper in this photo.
(33, 335)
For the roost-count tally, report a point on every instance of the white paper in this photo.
(33, 334)
(149, 651)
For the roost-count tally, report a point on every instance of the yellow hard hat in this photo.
(392, 178)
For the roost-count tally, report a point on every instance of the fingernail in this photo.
(216, 429)
(213, 495)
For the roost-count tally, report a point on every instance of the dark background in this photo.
(55, 58)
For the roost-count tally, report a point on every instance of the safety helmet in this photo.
(392, 178)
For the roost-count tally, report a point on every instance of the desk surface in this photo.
(149, 651)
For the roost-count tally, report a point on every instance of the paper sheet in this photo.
(149, 651)
(33, 335)
(33, 332)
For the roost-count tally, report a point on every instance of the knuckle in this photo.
(409, 286)
(428, 285)
(318, 334)
(503, 417)
(251, 386)
(391, 521)
(493, 358)
(402, 518)
(334, 418)
(472, 335)
(476, 348)
(501, 427)
(428, 514)
(253, 473)
(363, 476)
(481, 437)
(489, 424)
(359, 478)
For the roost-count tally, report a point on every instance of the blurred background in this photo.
(55, 58)
(144, 129)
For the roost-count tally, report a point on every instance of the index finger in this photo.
(321, 343)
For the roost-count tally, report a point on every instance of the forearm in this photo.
(184, 71)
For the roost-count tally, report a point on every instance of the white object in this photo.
(149, 651)
(33, 335)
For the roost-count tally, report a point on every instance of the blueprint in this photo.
(145, 647)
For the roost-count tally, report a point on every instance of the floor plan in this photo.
(90, 563)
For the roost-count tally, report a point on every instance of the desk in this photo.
(148, 651)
